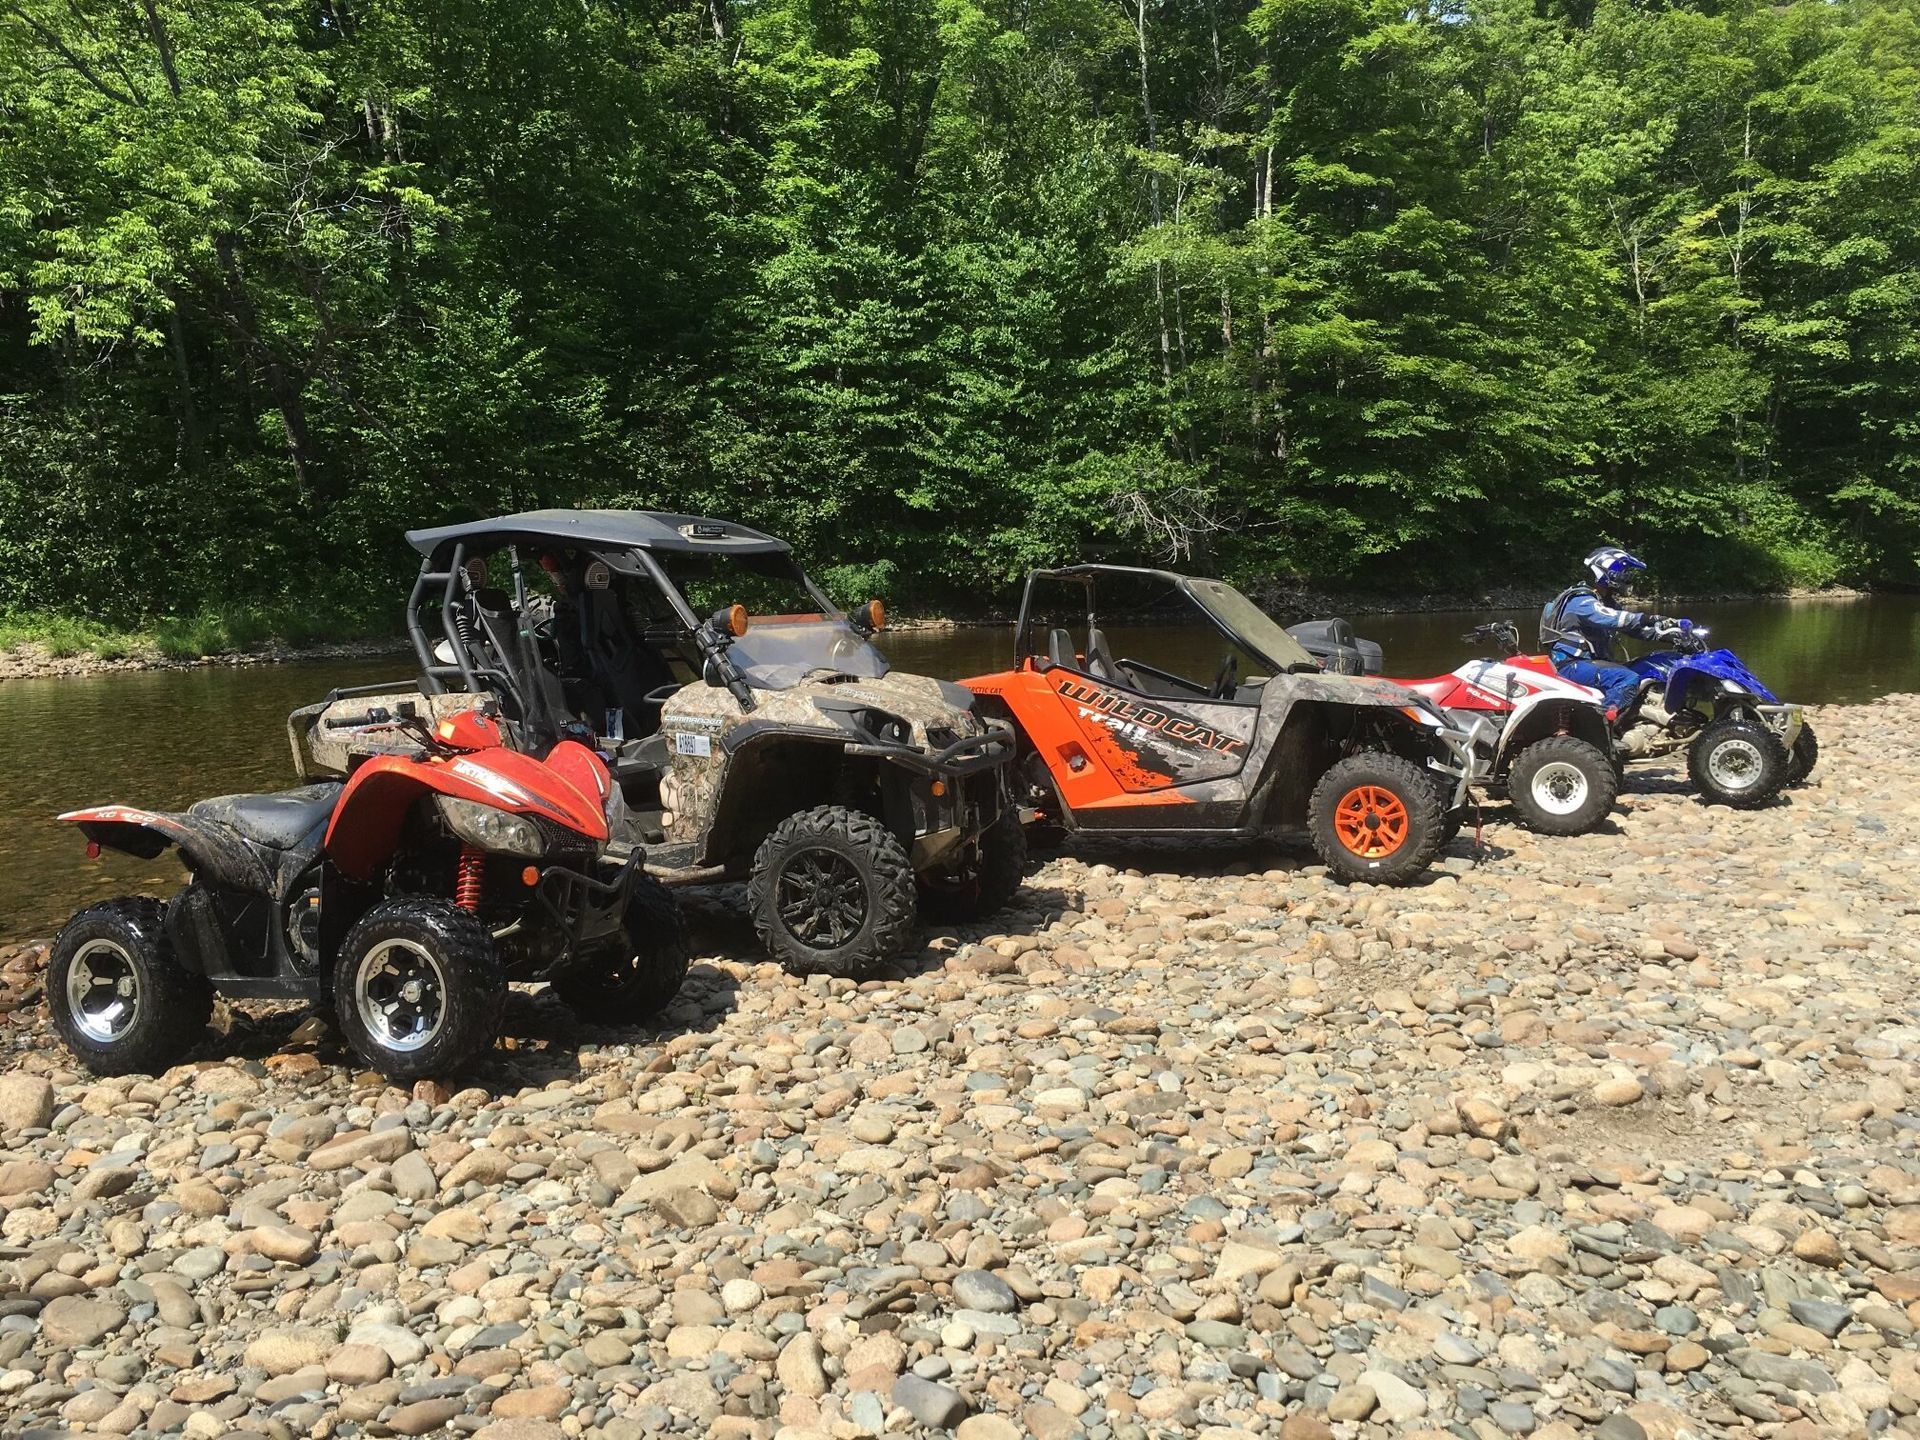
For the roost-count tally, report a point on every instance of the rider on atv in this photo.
(1578, 625)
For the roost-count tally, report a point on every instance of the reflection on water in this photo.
(167, 738)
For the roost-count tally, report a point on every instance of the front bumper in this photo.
(578, 910)
(1784, 720)
(969, 755)
(1469, 758)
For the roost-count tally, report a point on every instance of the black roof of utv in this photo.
(605, 530)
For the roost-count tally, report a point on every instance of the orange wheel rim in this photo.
(1371, 821)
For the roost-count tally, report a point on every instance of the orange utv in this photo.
(1236, 733)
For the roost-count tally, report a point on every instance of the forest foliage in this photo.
(1338, 290)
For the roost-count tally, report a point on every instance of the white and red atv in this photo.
(1546, 748)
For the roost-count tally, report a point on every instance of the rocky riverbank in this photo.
(36, 662)
(1613, 1136)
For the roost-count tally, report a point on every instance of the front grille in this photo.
(561, 842)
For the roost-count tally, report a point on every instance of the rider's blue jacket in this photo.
(1578, 625)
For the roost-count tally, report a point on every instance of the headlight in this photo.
(890, 728)
(489, 828)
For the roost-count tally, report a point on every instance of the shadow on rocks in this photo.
(718, 925)
(540, 1037)
(1187, 855)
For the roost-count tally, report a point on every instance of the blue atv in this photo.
(1743, 743)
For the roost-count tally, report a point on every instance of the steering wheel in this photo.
(1224, 681)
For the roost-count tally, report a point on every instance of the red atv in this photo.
(1544, 741)
(404, 898)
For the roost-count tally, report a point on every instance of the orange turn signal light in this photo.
(530, 876)
(876, 615)
(939, 787)
(736, 620)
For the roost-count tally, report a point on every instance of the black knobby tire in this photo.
(987, 883)
(832, 890)
(1408, 815)
(636, 976)
(1737, 746)
(452, 954)
(1562, 785)
(1804, 755)
(124, 956)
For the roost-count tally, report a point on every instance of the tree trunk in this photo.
(189, 413)
(245, 322)
(1153, 190)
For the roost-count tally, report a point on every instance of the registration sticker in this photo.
(684, 744)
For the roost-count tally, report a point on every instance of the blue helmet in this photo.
(1610, 565)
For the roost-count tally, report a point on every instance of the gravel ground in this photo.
(1613, 1136)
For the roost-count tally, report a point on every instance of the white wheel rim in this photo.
(1735, 764)
(1559, 787)
(400, 993)
(103, 991)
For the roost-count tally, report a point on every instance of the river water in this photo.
(165, 738)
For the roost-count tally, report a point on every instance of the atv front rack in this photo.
(967, 756)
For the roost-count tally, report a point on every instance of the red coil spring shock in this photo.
(471, 879)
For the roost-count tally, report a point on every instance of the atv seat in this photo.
(1099, 661)
(279, 821)
(1060, 649)
(1433, 689)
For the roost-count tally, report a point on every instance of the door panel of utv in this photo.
(1124, 759)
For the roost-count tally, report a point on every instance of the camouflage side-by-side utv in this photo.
(1255, 742)
(752, 728)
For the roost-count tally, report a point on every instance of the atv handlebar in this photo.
(378, 715)
(1503, 631)
(1684, 636)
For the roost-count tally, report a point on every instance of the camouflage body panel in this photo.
(708, 733)
(320, 753)
(918, 699)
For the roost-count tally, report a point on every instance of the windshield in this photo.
(1249, 624)
(774, 655)
(793, 633)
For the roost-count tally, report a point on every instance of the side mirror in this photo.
(870, 618)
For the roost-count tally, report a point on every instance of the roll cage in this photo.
(474, 636)
(1213, 599)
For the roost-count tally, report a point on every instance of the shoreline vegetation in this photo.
(940, 294)
(39, 647)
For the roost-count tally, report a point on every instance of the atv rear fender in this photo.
(211, 850)
(1550, 715)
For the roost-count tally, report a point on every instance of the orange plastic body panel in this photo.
(366, 822)
(1091, 768)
